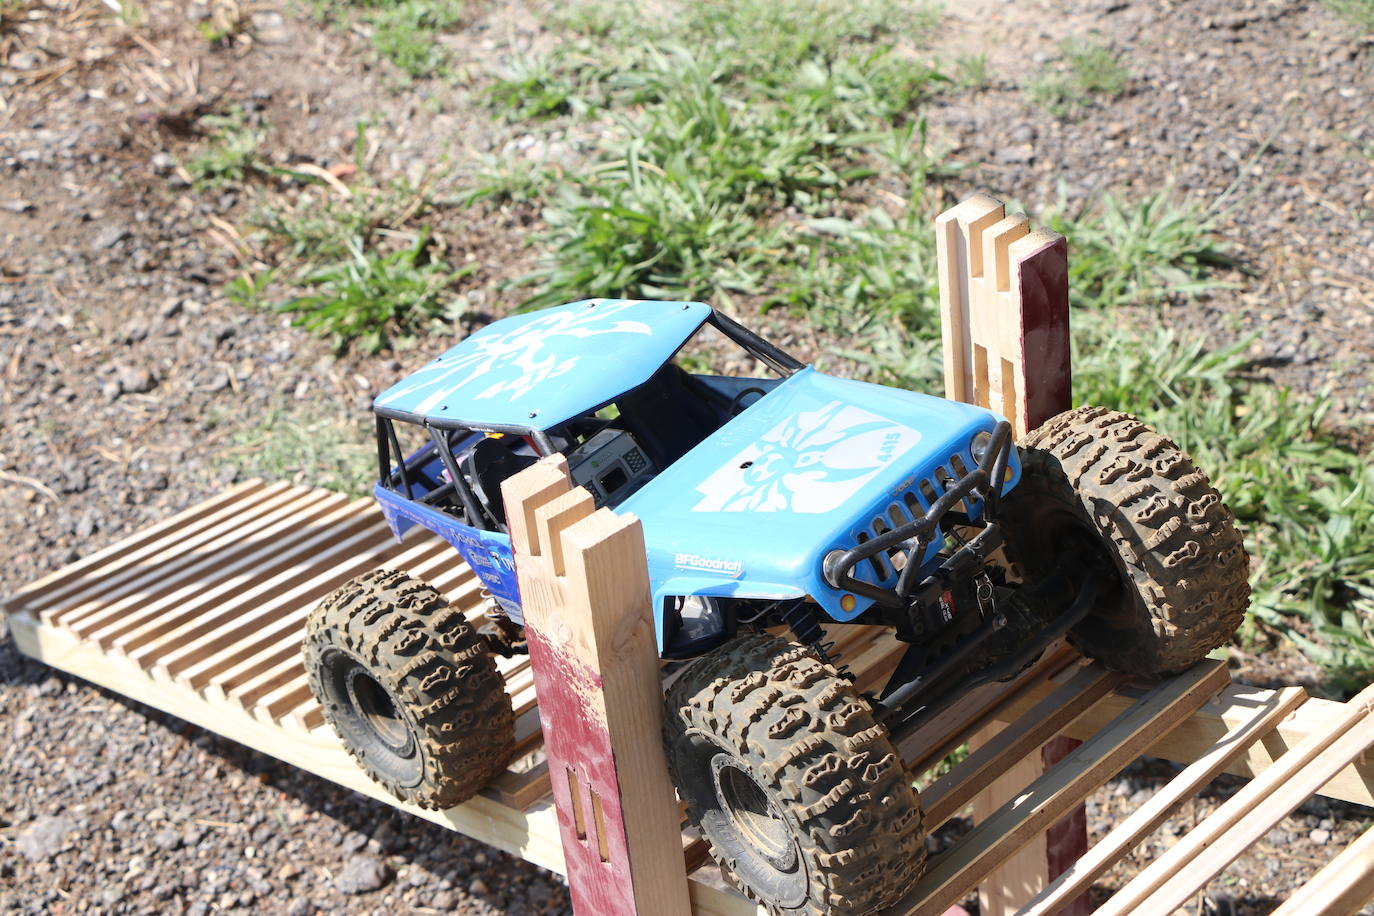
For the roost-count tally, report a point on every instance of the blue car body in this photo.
(813, 465)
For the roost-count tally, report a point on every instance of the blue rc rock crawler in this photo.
(789, 500)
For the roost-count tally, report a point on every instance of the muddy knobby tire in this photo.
(840, 805)
(1183, 571)
(410, 687)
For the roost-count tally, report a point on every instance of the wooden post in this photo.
(1004, 302)
(585, 591)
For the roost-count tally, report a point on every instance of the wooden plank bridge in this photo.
(202, 616)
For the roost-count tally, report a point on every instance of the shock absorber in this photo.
(801, 619)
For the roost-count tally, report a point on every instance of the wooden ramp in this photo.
(202, 616)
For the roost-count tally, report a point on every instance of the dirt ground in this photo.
(125, 375)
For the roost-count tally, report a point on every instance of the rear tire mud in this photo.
(798, 791)
(1112, 483)
(410, 687)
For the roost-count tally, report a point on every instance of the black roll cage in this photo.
(773, 356)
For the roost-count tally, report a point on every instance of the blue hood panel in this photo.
(753, 509)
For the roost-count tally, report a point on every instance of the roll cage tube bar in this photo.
(838, 566)
(386, 435)
(777, 359)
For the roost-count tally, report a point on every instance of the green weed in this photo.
(501, 179)
(535, 88)
(1132, 253)
(232, 153)
(335, 451)
(1084, 71)
(748, 112)
(320, 227)
(404, 32)
(971, 70)
(370, 295)
(1359, 13)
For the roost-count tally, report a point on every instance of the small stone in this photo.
(167, 839)
(300, 908)
(1320, 837)
(171, 308)
(362, 874)
(18, 206)
(110, 236)
(136, 379)
(478, 887)
(163, 163)
(45, 837)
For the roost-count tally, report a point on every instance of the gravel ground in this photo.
(126, 379)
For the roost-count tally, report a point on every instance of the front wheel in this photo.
(1098, 484)
(796, 788)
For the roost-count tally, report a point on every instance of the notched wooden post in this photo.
(584, 587)
(1004, 303)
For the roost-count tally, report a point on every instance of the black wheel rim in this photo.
(369, 718)
(376, 708)
(745, 822)
(754, 816)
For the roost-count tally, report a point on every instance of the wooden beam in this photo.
(1248, 815)
(1055, 793)
(584, 587)
(1079, 878)
(1234, 706)
(950, 793)
(1344, 886)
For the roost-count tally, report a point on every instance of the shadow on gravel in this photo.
(360, 825)
(18, 669)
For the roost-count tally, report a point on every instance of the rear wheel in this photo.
(798, 790)
(1098, 482)
(410, 687)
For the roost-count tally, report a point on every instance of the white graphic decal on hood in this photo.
(811, 463)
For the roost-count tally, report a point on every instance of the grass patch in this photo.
(1138, 252)
(289, 444)
(361, 268)
(232, 153)
(971, 70)
(404, 32)
(731, 140)
(1359, 13)
(358, 299)
(1084, 72)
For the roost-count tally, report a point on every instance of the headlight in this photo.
(700, 617)
(978, 448)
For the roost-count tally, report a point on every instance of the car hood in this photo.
(753, 509)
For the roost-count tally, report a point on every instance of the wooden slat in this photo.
(350, 541)
(1210, 724)
(953, 725)
(1344, 886)
(213, 570)
(1052, 795)
(69, 598)
(951, 792)
(1249, 814)
(223, 644)
(256, 568)
(37, 594)
(1147, 818)
(184, 562)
